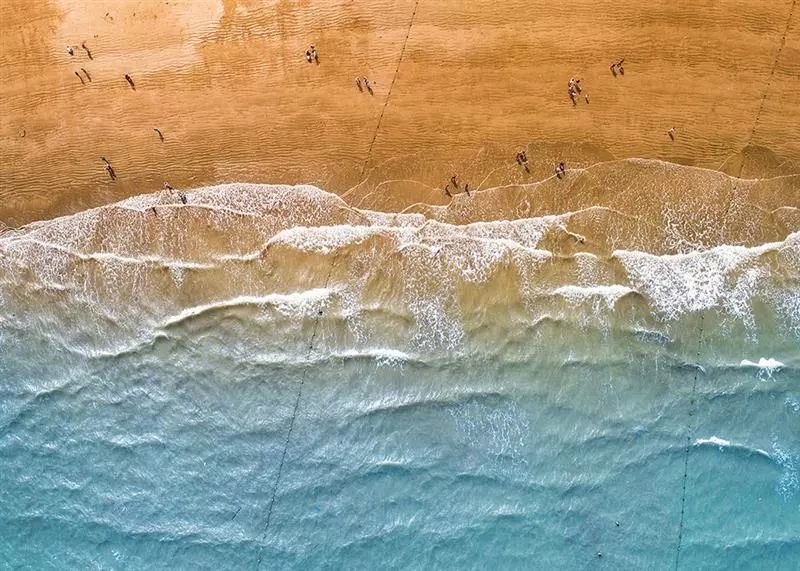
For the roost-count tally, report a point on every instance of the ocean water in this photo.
(267, 378)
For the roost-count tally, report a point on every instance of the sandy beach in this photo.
(458, 89)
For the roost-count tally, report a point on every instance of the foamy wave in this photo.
(610, 294)
(724, 444)
(726, 277)
(286, 303)
(766, 367)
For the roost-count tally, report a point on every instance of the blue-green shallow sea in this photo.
(488, 405)
(168, 457)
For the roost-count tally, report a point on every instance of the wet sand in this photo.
(458, 88)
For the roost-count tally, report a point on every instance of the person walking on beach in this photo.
(466, 189)
(454, 181)
(130, 81)
(79, 77)
(89, 77)
(168, 186)
(160, 135)
(88, 53)
(108, 168)
(671, 133)
(308, 56)
(368, 85)
(358, 84)
(446, 191)
(70, 51)
(314, 54)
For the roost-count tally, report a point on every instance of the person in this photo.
(308, 56)
(446, 191)
(454, 181)
(79, 77)
(562, 168)
(130, 81)
(109, 169)
(586, 97)
(671, 133)
(89, 77)
(358, 84)
(160, 135)
(614, 69)
(466, 189)
(70, 51)
(314, 54)
(572, 96)
(368, 85)
(519, 157)
(88, 53)
(182, 196)
(168, 186)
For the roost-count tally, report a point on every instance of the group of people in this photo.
(574, 89)
(367, 84)
(311, 54)
(454, 182)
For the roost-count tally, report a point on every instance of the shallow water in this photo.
(285, 382)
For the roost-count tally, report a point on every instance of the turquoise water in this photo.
(592, 425)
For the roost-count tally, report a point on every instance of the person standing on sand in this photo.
(358, 84)
(446, 191)
(454, 181)
(79, 77)
(89, 77)
(466, 189)
(130, 81)
(160, 135)
(308, 56)
(314, 54)
(671, 133)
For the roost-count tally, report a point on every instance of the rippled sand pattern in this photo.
(227, 84)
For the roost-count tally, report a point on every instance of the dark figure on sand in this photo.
(79, 77)
(160, 135)
(130, 81)
(86, 73)
(561, 170)
(446, 191)
(108, 168)
(454, 181)
(88, 53)
(466, 189)
(671, 133)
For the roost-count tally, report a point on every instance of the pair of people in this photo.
(311, 53)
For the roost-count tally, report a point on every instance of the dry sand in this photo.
(458, 87)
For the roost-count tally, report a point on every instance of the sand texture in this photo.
(458, 87)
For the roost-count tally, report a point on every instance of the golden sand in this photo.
(459, 87)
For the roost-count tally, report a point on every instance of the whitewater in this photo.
(268, 377)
